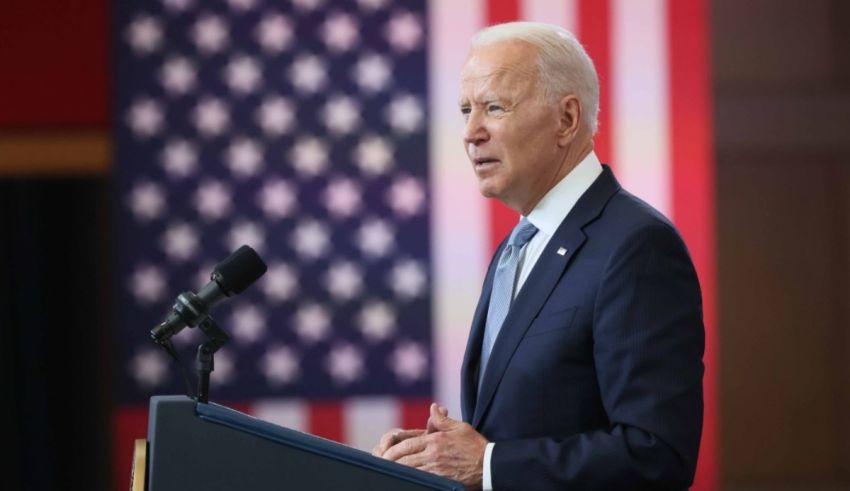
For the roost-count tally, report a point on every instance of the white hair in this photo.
(563, 64)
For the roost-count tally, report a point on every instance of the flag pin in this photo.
(561, 251)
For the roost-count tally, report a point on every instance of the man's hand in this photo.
(447, 447)
(393, 437)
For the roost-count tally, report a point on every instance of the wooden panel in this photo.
(54, 153)
(782, 421)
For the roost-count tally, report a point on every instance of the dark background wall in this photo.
(782, 125)
(782, 117)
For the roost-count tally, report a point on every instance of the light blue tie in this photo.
(503, 288)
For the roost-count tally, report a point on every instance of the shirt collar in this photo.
(557, 203)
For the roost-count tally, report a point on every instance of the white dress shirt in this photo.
(547, 217)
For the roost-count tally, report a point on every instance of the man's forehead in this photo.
(507, 62)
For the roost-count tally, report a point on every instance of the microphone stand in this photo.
(204, 361)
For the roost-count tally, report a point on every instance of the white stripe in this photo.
(459, 216)
(367, 418)
(560, 12)
(290, 413)
(641, 127)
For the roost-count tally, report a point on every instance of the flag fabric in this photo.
(326, 135)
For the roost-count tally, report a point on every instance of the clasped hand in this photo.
(446, 447)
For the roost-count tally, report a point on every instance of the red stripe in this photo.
(498, 11)
(502, 218)
(693, 190)
(325, 419)
(594, 21)
(128, 424)
(415, 413)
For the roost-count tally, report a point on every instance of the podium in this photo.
(209, 447)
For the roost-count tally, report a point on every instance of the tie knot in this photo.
(522, 233)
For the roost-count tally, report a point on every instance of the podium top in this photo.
(232, 418)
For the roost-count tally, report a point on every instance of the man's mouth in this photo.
(484, 161)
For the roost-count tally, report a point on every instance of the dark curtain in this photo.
(54, 342)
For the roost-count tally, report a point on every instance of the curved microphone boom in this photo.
(230, 277)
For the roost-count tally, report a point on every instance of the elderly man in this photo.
(583, 368)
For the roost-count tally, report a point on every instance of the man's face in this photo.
(511, 132)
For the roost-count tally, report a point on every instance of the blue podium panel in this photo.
(209, 447)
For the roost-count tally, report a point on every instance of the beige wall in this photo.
(783, 200)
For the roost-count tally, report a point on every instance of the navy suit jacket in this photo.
(595, 380)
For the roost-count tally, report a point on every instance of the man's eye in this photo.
(465, 110)
(495, 108)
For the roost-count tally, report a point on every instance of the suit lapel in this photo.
(469, 370)
(533, 295)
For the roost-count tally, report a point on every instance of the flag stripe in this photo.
(366, 419)
(414, 413)
(562, 13)
(593, 31)
(502, 11)
(460, 245)
(325, 419)
(693, 185)
(641, 138)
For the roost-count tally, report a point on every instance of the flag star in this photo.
(246, 233)
(409, 361)
(377, 321)
(249, 323)
(345, 364)
(342, 197)
(308, 4)
(144, 34)
(242, 75)
(280, 365)
(177, 5)
(147, 284)
(375, 238)
(147, 200)
(344, 280)
(406, 196)
(274, 33)
(180, 241)
(223, 372)
(340, 32)
(212, 199)
(277, 199)
(374, 155)
(371, 4)
(309, 156)
(178, 75)
(145, 117)
(275, 115)
(308, 74)
(404, 32)
(149, 368)
(405, 114)
(211, 116)
(310, 239)
(372, 73)
(180, 158)
(341, 114)
(312, 322)
(244, 157)
(242, 5)
(210, 34)
(408, 279)
(279, 283)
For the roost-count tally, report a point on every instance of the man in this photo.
(583, 368)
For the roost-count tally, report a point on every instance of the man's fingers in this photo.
(407, 447)
(393, 437)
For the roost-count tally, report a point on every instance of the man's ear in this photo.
(569, 118)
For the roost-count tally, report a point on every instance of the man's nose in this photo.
(474, 132)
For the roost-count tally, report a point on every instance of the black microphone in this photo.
(230, 277)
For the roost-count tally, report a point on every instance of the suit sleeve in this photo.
(648, 343)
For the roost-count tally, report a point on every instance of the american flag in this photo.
(326, 135)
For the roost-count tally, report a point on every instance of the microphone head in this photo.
(235, 273)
